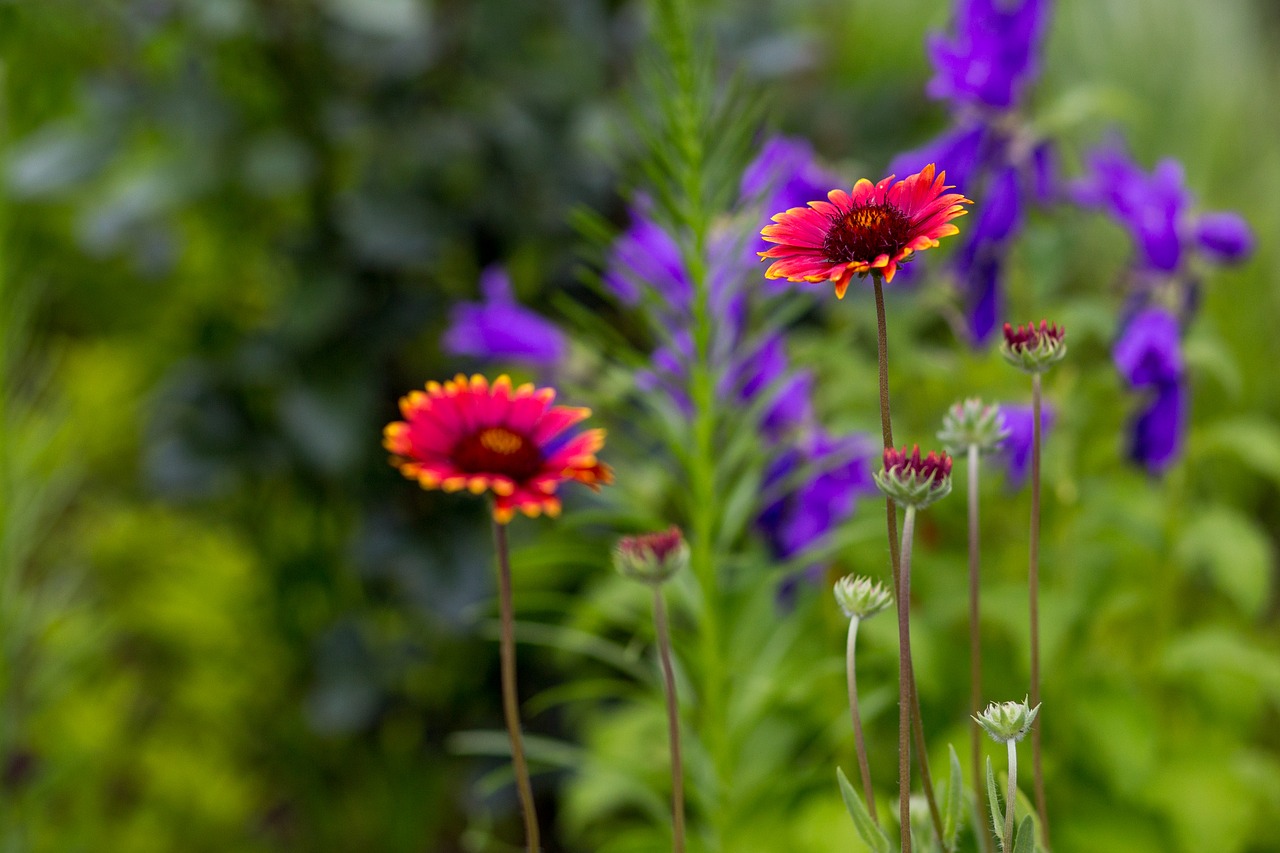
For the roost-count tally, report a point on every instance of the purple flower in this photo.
(1156, 432)
(1153, 207)
(786, 174)
(1149, 351)
(500, 328)
(832, 472)
(980, 264)
(646, 260)
(1224, 237)
(992, 55)
(961, 152)
(1015, 452)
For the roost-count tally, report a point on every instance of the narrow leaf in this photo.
(997, 816)
(1026, 835)
(873, 835)
(955, 799)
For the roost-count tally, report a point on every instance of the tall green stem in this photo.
(673, 720)
(510, 708)
(851, 671)
(1033, 584)
(1011, 799)
(891, 523)
(975, 645)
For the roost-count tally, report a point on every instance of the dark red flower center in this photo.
(498, 450)
(865, 233)
(1028, 337)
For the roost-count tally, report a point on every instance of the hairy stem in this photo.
(1033, 583)
(673, 720)
(975, 647)
(905, 675)
(863, 765)
(1011, 799)
(510, 708)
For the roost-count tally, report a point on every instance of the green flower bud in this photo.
(1007, 721)
(972, 423)
(652, 557)
(861, 598)
(1034, 349)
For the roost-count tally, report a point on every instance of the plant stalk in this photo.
(891, 523)
(1033, 584)
(673, 720)
(863, 765)
(1011, 799)
(510, 708)
(975, 646)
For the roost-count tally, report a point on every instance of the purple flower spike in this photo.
(1156, 434)
(1015, 453)
(992, 55)
(1149, 351)
(1224, 237)
(500, 328)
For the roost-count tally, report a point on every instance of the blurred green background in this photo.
(232, 230)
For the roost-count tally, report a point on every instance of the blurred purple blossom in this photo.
(1015, 452)
(1157, 430)
(500, 328)
(828, 474)
(992, 55)
(1149, 351)
(1224, 237)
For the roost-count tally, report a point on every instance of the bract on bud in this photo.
(1034, 348)
(652, 557)
(973, 423)
(1007, 721)
(913, 481)
(861, 598)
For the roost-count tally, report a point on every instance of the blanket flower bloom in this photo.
(468, 433)
(914, 481)
(870, 230)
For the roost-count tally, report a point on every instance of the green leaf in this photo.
(955, 799)
(1026, 836)
(997, 816)
(1233, 552)
(873, 835)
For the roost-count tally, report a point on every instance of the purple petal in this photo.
(1224, 237)
(501, 329)
(1157, 431)
(1149, 351)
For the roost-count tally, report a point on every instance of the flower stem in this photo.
(975, 646)
(905, 676)
(673, 720)
(891, 522)
(1033, 584)
(510, 708)
(859, 742)
(1011, 799)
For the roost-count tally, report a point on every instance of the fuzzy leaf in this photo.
(997, 816)
(873, 835)
(955, 799)
(1026, 836)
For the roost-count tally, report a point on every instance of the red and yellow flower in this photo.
(870, 230)
(470, 434)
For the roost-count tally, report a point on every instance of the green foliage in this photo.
(870, 833)
(231, 233)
